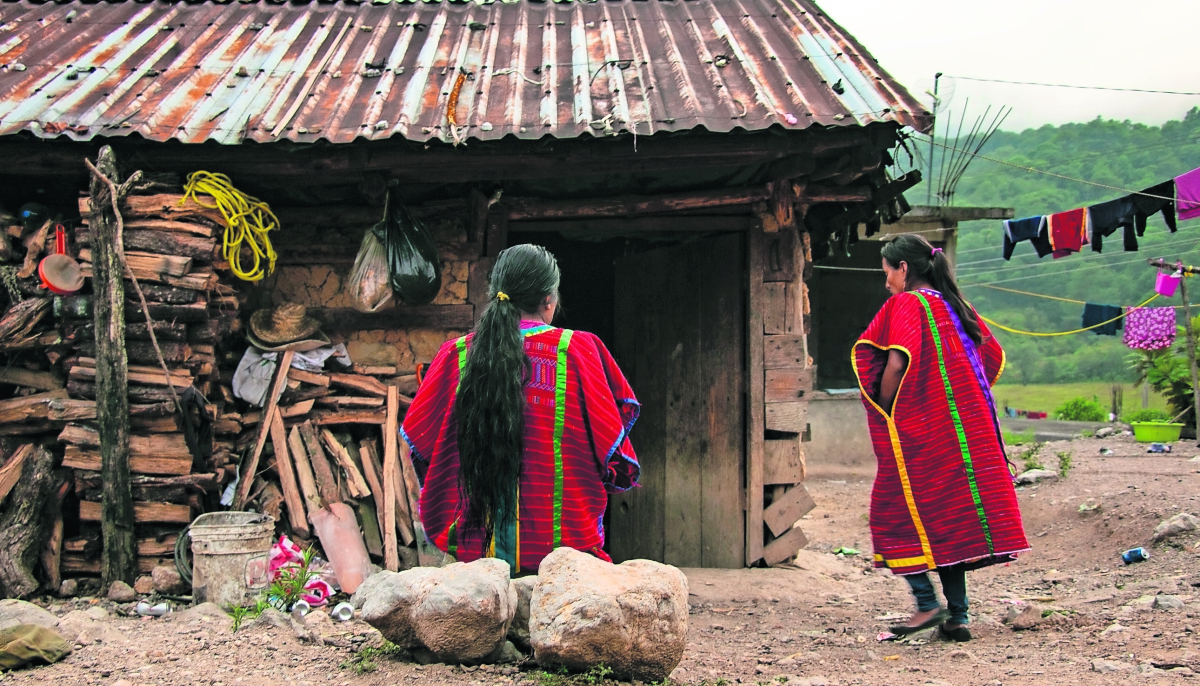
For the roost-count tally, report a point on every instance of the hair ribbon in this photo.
(935, 252)
(501, 295)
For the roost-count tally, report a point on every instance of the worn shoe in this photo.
(938, 617)
(958, 634)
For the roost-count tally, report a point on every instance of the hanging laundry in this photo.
(1187, 194)
(1109, 316)
(1032, 229)
(1067, 231)
(1150, 328)
(1156, 199)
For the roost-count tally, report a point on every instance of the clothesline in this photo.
(1043, 295)
(1123, 314)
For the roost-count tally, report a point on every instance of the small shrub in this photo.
(364, 662)
(1030, 457)
(1080, 410)
(239, 615)
(1064, 463)
(1019, 438)
(1146, 415)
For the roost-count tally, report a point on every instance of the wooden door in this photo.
(680, 330)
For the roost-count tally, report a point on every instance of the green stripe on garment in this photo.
(958, 427)
(461, 346)
(452, 539)
(560, 421)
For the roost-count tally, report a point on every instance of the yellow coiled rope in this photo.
(248, 221)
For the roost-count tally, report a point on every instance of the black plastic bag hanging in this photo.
(414, 270)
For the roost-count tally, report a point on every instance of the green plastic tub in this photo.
(1156, 432)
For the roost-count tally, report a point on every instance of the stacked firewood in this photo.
(173, 251)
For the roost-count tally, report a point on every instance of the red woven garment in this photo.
(943, 493)
(1068, 232)
(579, 411)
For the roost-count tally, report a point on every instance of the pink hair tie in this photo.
(936, 251)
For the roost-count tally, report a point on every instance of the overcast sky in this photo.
(1149, 44)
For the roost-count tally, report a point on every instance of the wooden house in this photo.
(687, 161)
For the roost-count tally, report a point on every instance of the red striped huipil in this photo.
(578, 413)
(943, 493)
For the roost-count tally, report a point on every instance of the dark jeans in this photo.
(954, 587)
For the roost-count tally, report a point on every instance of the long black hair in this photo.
(932, 265)
(490, 407)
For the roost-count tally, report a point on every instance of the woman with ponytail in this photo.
(521, 429)
(943, 497)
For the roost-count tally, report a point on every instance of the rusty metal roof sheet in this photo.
(207, 71)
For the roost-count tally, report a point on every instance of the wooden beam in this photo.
(408, 473)
(638, 225)
(372, 469)
(391, 469)
(816, 194)
(785, 547)
(119, 556)
(327, 485)
(454, 317)
(632, 205)
(76, 457)
(354, 478)
(789, 417)
(789, 385)
(788, 510)
(297, 516)
(366, 385)
(11, 471)
(44, 381)
(304, 473)
(307, 377)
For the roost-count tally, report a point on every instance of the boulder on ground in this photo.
(143, 585)
(1024, 618)
(460, 613)
(1109, 666)
(86, 628)
(69, 588)
(1104, 432)
(630, 617)
(1035, 475)
(121, 592)
(1168, 602)
(1176, 525)
(518, 632)
(18, 612)
(168, 581)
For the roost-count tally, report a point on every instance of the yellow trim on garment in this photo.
(903, 562)
(1003, 364)
(897, 453)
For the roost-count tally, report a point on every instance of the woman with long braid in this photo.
(943, 498)
(521, 429)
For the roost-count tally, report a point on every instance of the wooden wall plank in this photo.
(789, 417)
(755, 419)
(687, 402)
(783, 462)
(775, 308)
(788, 510)
(722, 359)
(779, 266)
(784, 352)
(785, 547)
(789, 385)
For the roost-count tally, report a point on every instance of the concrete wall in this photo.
(841, 445)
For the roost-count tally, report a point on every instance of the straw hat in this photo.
(283, 324)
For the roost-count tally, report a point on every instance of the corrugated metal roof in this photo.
(339, 71)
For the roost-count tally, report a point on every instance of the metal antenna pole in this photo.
(929, 181)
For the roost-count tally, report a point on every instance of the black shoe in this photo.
(938, 617)
(958, 634)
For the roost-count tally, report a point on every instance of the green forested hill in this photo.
(1113, 153)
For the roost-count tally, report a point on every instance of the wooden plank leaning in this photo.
(264, 429)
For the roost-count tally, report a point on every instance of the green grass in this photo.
(1047, 397)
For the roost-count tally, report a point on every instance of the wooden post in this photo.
(1191, 351)
(755, 392)
(391, 480)
(118, 561)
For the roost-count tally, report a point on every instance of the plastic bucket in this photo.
(1156, 432)
(1166, 284)
(231, 555)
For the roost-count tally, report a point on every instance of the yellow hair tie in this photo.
(501, 295)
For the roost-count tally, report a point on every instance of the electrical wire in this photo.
(248, 221)
(1060, 273)
(1064, 85)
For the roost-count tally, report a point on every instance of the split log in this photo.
(354, 479)
(82, 458)
(137, 394)
(285, 466)
(166, 445)
(193, 228)
(43, 381)
(166, 243)
(156, 266)
(363, 384)
(143, 351)
(52, 551)
(30, 407)
(271, 501)
(11, 471)
(163, 331)
(24, 528)
(369, 457)
(327, 485)
(304, 474)
(143, 513)
(291, 397)
(307, 377)
(154, 425)
(35, 243)
(391, 473)
(373, 370)
(325, 418)
(194, 313)
(67, 410)
(340, 401)
(151, 378)
(18, 322)
(411, 485)
(162, 205)
(300, 409)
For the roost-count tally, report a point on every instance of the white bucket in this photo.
(231, 557)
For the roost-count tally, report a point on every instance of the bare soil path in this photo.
(813, 623)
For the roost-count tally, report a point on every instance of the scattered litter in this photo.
(890, 658)
(791, 119)
(887, 636)
(485, 126)
(301, 608)
(1158, 448)
(1135, 555)
(343, 612)
(1089, 505)
(145, 609)
(1106, 451)
(843, 550)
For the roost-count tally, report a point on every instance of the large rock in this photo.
(168, 581)
(121, 592)
(88, 627)
(459, 613)
(518, 632)
(17, 612)
(630, 617)
(1035, 475)
(1176, 525)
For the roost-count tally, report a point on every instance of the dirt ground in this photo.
(813, 623)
